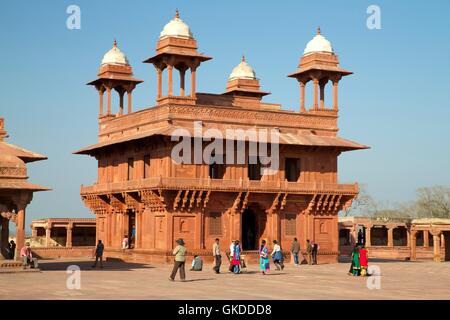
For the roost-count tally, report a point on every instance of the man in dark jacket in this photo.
(295, 249)
(99, 254)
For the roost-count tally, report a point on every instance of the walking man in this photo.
(180, 259)
(217, 256)
(99, 254)
(309, 251)
(295, 249)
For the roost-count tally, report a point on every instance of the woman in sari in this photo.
(363, 260)
(236, 262)
(264, 262)
(355, 260)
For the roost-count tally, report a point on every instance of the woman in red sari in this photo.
(363, 260)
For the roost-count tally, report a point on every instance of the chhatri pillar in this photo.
(69, 229)
(436, 245)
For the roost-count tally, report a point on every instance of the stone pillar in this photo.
(69, 235)
(121, 94)
(48, 232)
(335, 95)
(20, 231)
(182, 75)
(129, 95)
(302, 97)
(390, 237)
(108, 103)
(408, 238)
(33, 232)
(442, 241)
(100, 94)
(169, 80)
(426, 241)
(367, 236)
(159, 76)
(436, 247)
(413, 245)
(316, 94)
(193, 80)
(322, 95)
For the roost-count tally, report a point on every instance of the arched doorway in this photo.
(249, 230)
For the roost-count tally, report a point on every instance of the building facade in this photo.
(143, 192)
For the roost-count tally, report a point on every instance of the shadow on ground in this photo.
(58, 265)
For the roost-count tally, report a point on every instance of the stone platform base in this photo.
(151, 256)
(13, 266)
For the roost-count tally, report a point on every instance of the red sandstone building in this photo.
(140, 186)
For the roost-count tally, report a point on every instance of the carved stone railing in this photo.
(220, 185)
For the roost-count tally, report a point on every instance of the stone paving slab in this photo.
(118, 280)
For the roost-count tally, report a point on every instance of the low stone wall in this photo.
(395, 253)
(63, 252)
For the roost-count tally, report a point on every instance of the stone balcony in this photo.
(223, 185)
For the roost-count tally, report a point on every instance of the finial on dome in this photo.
(115, 43)
(318, 30)
(177, 14)
(243, 58)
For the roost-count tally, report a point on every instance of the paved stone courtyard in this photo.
(399, 280)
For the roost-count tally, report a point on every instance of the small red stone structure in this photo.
(139, 184)
(63, 237)
(15, 190)
(64, 232)
(409, 239)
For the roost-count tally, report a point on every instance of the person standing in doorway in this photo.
(360, 237)
(217, 256)
(180, 259)
(314, 251)
(99, 254)
(295, 249)
(132, 244)
(277, 256)
(309, 251)
(264, 262)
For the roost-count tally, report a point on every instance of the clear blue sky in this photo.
(397, 101)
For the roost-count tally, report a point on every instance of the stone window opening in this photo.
(215, 224)
(292, 169)
(379, 236)
(400, 236)
(290, 225)
(254, 168)
(344, 237)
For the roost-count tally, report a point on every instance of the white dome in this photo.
(115, 56)
(242, 71)
(318, 44)
(176, 28)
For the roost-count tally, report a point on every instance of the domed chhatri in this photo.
(176, 28)
(242, 71)
(115, 56)
(318, 44)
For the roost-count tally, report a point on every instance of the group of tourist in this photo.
(359, 261)
(236, 262)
